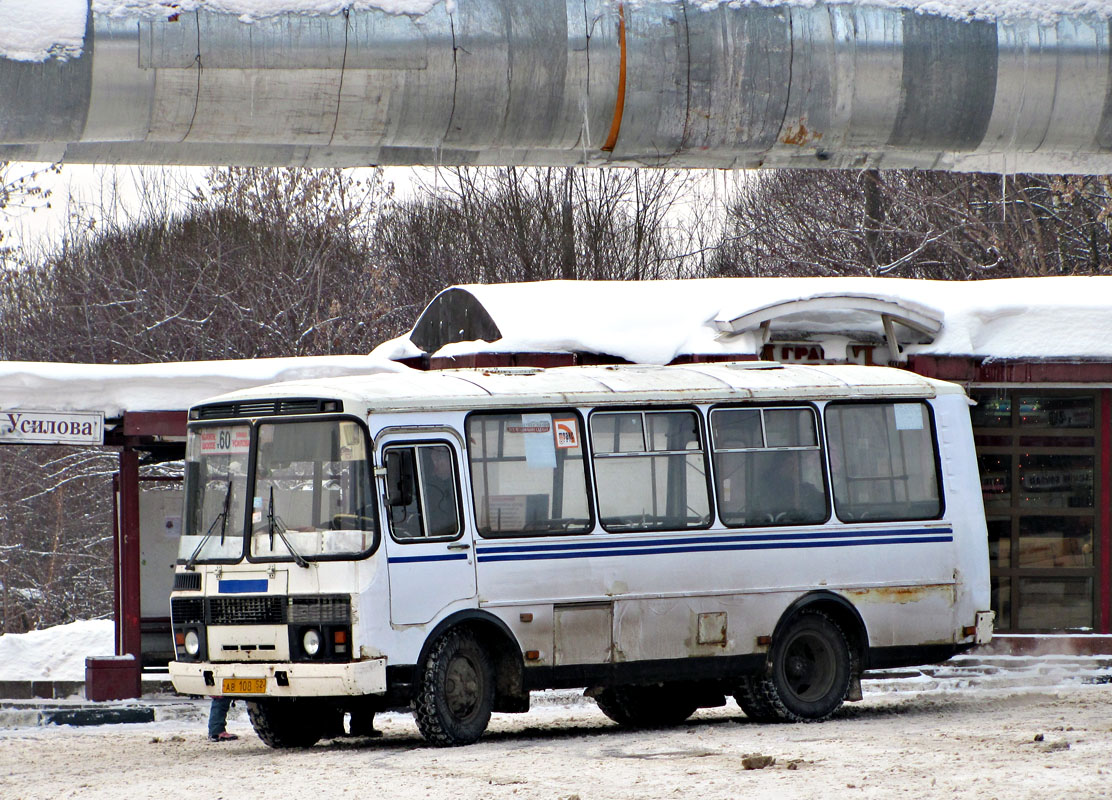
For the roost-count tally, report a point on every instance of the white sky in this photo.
(118, 193)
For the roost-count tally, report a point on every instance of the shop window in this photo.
(1037, 454)
(1000, 542)
(1055, 603)
(1055, 542)
(1002, 602)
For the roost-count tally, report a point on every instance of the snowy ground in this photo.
(910, 739)
(999, 727)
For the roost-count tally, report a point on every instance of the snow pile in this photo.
(34, 30)
(56, 654)
(114, 388)
(653, 322)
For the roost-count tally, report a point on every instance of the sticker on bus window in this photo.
(909, 416)
(225, 441)
(567, 433)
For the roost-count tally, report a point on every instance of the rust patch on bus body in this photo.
(903, 594)
(799, 135)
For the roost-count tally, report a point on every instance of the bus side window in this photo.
(421, 494)
(650, 470)
(527, 473)
(768, 467)
(883, 461)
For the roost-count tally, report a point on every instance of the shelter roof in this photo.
(656, 322)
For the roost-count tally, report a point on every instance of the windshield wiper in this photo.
(222, 518)
(276, 525)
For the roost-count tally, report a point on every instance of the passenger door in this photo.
(429, 550)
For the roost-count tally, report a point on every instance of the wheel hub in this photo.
(461, 686)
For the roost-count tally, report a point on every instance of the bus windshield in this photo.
(311, 491)
(216, 493)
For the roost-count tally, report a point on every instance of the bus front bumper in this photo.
(280, 680)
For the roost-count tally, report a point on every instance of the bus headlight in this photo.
(310, 642)
(192, 643)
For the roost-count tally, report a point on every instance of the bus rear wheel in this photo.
(656, 706)
(456, 692)
(811, 670)
(287, 723)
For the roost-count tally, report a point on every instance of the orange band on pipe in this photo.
(619, 104)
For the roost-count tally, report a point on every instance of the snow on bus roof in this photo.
(655, 322)
(464, 389)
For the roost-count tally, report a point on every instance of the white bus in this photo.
(665, 537)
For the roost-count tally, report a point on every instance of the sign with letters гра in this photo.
(23, 426)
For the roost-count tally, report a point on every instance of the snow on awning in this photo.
(855, 316)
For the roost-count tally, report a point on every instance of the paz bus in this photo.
(663, 537)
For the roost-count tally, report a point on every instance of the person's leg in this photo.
(218, 716)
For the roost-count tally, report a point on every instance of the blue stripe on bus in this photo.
(242, 586)
(419, 559)
(691, 540)
(644, 551)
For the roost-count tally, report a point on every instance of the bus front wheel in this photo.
(456, 692)
(811, 669)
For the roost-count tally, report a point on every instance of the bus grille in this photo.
(265, 610)
(320, 610)
(187, 581)
(184, 612)
(265, 408)
(262, 610)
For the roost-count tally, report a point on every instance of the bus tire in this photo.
(456, 693)
(751, 697)
(286, 723)
(657, 706)
(811, 667)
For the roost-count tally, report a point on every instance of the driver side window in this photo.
(422, 498)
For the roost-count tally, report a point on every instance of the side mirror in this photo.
(400, 478)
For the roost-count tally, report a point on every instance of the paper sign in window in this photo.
(540, 452)
(909, 416)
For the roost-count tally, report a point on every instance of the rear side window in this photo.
(527, 473)
(768, 467)
(650, 470)
(883, 461)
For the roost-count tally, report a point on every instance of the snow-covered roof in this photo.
(115, 388)
(649, 323)
(656, 322)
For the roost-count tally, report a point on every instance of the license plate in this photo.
(244, 686)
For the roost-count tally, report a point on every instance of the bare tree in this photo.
(917, 224)
(250, 263)
(483, 226)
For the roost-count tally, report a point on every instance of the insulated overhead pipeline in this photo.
(692, 83)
